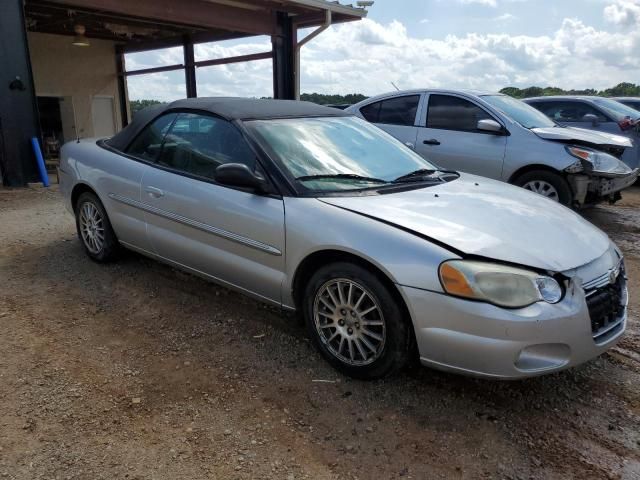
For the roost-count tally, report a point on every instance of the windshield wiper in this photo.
(348, 176)
(416, 175)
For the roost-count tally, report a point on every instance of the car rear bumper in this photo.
(480, 339)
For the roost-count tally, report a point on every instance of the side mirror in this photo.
(590, 117)
(490, 126)
(239, 175)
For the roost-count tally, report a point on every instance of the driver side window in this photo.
(454, 113)
(198, 144)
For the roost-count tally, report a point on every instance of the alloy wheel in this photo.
(92, 227)
(542, 188)
(349, 321)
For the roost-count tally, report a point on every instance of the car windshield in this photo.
(524, 114)
(616, 109)
(337, 153)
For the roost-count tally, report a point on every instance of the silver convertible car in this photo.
(384, 256)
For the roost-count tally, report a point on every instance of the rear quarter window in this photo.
(393, 111)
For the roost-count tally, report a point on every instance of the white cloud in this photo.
(367, 56)
(505, 17)
(488, 3)
(623, 12)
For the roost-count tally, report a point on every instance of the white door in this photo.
(68, 119)
(102, 112)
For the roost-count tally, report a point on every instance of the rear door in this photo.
(396, 116)
(449, 137)
(233, 235)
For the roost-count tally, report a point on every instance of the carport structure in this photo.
(47, 65)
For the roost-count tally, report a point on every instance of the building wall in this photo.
(61, 69)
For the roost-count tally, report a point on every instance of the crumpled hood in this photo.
(478, 216)
(570, 134)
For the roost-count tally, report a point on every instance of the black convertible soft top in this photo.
(230, 108)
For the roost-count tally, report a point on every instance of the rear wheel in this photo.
(548, 184)
(94, 229)
(355, 321)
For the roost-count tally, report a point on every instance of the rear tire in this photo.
(548, 184)
(355, 321)
(94, 229)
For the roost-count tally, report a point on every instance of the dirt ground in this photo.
(137, 371)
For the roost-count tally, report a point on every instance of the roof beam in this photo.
(240, 58)
(176, 41)
(197, 13)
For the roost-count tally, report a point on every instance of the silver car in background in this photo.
(595, 113)
(383, 255)
(632, 102)
(499, 137)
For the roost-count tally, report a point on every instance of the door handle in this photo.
(154, 192)
(433, 141)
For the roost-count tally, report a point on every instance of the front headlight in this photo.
(498, 284)
(598, 161)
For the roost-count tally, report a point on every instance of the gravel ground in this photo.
(137, 371)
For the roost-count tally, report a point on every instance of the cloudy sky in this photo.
(486, 44)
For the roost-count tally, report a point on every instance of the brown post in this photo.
(190, 68)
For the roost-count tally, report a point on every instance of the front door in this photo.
(450, 137)
(233, 235)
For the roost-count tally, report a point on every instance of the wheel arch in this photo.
(533, 167)
(312, 262)
(79, 189)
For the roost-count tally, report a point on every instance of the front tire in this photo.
(94, 229)
(356, 322)
(548, 184)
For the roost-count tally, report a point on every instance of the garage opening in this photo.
(77, 49)
(58, 126)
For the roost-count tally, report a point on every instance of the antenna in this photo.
(395, 86)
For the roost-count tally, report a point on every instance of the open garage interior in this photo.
(68, 75)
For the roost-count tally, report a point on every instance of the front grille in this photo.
(607, 304)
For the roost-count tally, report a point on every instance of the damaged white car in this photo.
(499, 137)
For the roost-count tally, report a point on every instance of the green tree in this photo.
(512, 92)
(325, 99)
(624, 89)
(137, 105)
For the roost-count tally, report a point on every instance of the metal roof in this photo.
(143, 21)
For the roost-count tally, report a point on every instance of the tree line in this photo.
(624, 89)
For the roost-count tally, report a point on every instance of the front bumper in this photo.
(608, 186)
(480, 339)
(597, 186)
